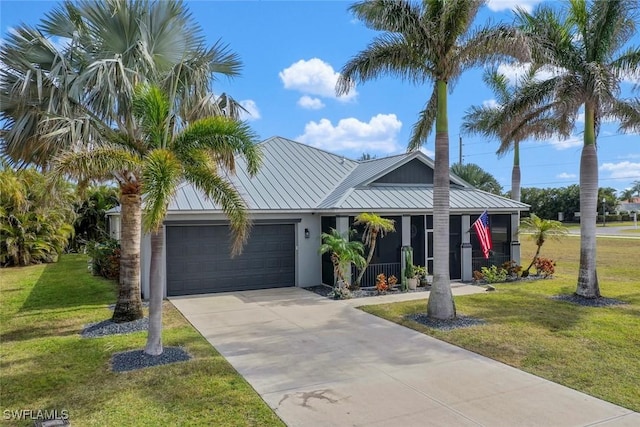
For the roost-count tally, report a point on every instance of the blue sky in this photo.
(292, 52)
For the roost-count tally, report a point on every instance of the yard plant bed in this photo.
(594, 350)
(45, 364)
(325, 291)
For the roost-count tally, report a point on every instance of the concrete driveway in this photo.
(319, 362)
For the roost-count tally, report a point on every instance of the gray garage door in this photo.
(198, 259)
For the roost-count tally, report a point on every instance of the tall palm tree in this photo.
(202, 153)
(80, 95)
(585, 41)
(478, 177)
(490, 121)
(374, 226)
(431, 41)
(635, 186)
(541, 230)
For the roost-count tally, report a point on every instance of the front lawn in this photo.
(46, 365)
(594, 350)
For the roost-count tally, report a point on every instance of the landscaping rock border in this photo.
(138, 359)
(589, 302)
(108, 327)
(325, 290)
(446, 325)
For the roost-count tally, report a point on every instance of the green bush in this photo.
(494, 274)
(105, 258)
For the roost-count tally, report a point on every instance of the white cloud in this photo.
(378, 135)
(313, 77)
(310, 103)
(252, 112)
(622, 170)
(565, 175)
(490, 103)
(631, 77)
(563, 144)
(428, 152)
(499, 5)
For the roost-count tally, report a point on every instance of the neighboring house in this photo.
(301, 192)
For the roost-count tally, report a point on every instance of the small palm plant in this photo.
(541, 230)
(344, 252)
(374, 226)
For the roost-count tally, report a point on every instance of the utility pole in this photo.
(460, 158)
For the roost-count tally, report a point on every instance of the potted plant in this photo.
(421, 274)
(410, 273)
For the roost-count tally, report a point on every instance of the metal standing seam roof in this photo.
(295, 176)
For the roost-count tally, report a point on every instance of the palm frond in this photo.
(100, 163)
(227, 197)
(423, 127)
(161, 175)
(223, 139)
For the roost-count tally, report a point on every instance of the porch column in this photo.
(466, 253)
(342, 226)
(406, 230)
(515, 242)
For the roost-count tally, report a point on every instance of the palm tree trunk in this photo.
(441, 304)
(588, 286)
(154, 337)
(129, 304)
(372, 248)
(535, 257)
(515, 173)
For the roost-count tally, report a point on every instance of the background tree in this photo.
(532, 121)
(35, 224)
(79, 96)
(374, 226)
(584, 41)
(344, 252)
(431, 41)
(627, 195)
(202, 153)
(540, 230)
(90, 223)
(635, 186)
(478, 177)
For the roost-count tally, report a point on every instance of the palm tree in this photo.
(477, 177)
(584, 41)
(344, 252)
(202, 153)
(80, 96)
(635, 186)
(431, 41)
(374, 226)
(627, 195)
(490, 121)
(541, 230)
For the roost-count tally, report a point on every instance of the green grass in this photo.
(45, 364)
(594, 350)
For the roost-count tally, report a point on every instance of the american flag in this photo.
(484, 234)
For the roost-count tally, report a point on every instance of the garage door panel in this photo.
(198, 259)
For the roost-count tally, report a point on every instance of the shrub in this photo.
(477, 276)
(494, 274)
(545, 267)
(512, 268)
(105, 258)
(381, 283)
(340, 291)
(392, 281)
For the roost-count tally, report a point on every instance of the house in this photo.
(301, 192)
